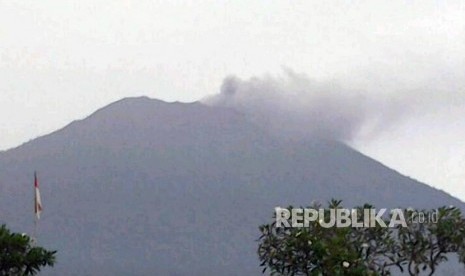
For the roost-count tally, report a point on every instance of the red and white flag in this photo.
(37, 201)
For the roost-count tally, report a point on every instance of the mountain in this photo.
(145, 187)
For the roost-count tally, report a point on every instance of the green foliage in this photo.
(314, 250)
(18, 256)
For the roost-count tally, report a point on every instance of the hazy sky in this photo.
(61, 60)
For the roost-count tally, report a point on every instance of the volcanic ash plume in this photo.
(299, 108)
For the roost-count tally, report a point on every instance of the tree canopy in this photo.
(19, 256)
(420, 246)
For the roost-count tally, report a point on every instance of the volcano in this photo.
(146, 187)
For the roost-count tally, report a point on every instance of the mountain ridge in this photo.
(141, 182)
(145, 101)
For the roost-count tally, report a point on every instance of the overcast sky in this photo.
(62, 60)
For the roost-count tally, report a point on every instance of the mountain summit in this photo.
(145, 187)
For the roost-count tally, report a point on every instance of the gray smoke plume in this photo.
(298, 107)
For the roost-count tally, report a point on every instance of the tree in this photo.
(420, 245)
(18, 255)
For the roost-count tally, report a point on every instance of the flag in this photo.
(37, 201)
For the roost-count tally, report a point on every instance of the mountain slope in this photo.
(144, 187)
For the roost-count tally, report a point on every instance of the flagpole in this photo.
(34, 234)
